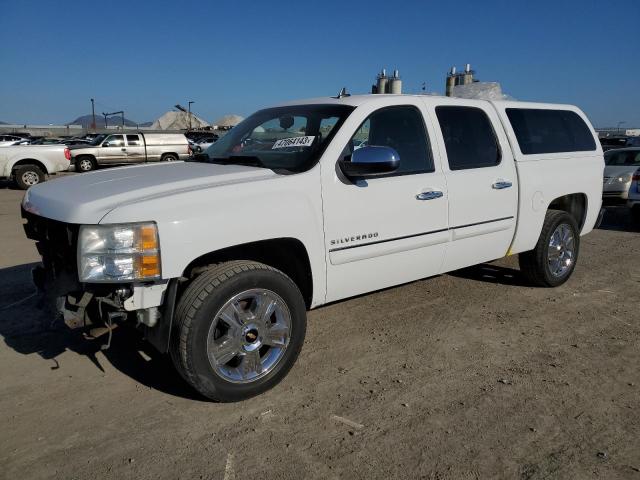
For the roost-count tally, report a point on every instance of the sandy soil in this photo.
(464, 376)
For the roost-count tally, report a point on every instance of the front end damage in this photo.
(95, 309)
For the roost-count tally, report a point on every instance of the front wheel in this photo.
(27, 176)
(239, 329)
(554, 258)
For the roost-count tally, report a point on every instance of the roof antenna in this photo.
(343, 93)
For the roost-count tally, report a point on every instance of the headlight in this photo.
(116, 253)
(624, 178)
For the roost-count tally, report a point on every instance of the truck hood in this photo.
(86, 198)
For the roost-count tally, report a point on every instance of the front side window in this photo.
(402, 129)
(468, 137)
(115, 140)
(550, 131)
(285, 139)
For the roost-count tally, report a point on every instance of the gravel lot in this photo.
(463, 376)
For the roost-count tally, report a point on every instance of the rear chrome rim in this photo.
(85, 165)
(249, 336)
(30, 178)
(169, 158)
(561, 253)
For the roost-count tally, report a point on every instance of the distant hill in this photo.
(86, 121)
(4, 123)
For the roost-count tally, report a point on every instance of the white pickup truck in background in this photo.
(218, 259)
(28, 165)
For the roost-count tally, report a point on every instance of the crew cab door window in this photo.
(469, 137)
(401, 128)
(133, 140)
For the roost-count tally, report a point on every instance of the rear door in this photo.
(113, 150)
(135, 149)
(481, 179)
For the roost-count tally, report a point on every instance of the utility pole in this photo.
(93, 115)
(190, 102)
(105, 119)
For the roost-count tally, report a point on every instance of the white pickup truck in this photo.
(217, 259)
(29, 165)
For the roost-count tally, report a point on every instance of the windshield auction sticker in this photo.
(293, 142)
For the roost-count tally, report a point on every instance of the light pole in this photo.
(93, 116)
(620, 123)
(190, 102)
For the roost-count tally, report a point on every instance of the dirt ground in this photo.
(463, 376)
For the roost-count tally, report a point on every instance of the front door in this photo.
(482, 181)
(386, 230)
(113, 150)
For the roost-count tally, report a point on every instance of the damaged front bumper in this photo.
(95, 307)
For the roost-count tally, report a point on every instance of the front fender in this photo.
(198, 222)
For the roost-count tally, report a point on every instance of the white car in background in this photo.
(620, 166)
(28, 165)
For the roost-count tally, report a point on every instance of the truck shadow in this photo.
(490, 273)
(619, 218)
(27, 330)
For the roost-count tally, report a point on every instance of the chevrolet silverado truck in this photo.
(132, 147)
(217, 259)
(28, 165)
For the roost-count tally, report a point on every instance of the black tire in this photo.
(534, 264)
(635, 213)
(169, 157)
(198, 308)
(27, 176)
(86, 164)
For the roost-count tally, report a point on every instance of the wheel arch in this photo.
(287, 254)
(30, 161)
(575, 204)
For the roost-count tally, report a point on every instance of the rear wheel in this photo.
(239, 328)
(28, 175)
(169, 157)
(554, 258)
(86, 164)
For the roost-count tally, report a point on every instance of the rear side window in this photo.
(550, 131)
(133, 140)
(468, 137)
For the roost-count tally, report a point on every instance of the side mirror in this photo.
(106, 144)
(370, 161)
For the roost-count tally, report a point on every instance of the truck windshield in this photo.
(287, 139)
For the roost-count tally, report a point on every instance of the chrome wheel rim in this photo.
(85, 165)
(249, 336)
(30, 178)
(561, 253)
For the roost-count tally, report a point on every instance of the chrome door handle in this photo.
(123, 149)
(500, 184)
(430, 195)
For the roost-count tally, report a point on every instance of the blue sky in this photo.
(235, 57)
